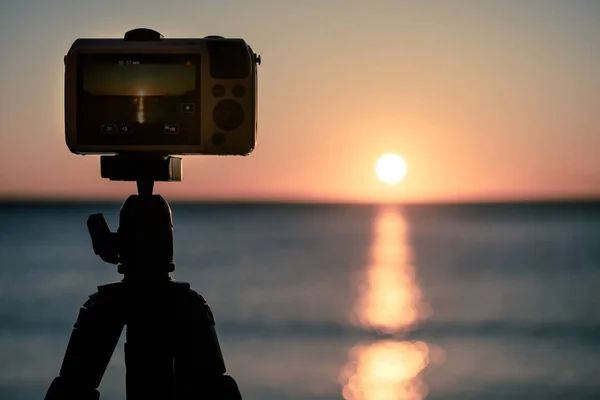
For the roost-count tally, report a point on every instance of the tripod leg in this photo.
(93, 340)
(199, 365)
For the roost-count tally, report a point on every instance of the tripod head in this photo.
(143, 244)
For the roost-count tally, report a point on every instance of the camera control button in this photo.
(238, 91)
(218, 139)
(188, 107)
(228, 115)
(218, 90)
(124, 128)
(109, 128)
(171, 129)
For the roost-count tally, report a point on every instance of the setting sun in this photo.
(391, 168)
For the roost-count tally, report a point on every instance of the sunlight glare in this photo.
(391, 168)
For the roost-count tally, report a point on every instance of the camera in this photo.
(164, 96)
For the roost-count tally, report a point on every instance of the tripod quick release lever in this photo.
(104, 242)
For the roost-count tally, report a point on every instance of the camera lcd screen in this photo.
(139, 99)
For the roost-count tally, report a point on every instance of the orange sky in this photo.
(483, 99)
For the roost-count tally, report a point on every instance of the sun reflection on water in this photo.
(140, 112)
(386, 370)
(389, 302)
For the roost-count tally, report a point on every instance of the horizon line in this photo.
(38, 200)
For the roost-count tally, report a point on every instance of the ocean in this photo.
(356, 302)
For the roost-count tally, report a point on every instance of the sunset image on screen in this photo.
(114, 79)
(137, 94)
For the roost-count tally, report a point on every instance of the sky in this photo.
(484, 100)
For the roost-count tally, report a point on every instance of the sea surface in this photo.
(327, 302)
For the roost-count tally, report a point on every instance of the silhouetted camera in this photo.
(165, 96)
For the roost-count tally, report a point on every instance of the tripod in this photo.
(171, 350)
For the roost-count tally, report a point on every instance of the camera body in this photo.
(166, 96)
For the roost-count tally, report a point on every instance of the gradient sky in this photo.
(483, 99)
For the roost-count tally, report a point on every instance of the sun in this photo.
(391, 168)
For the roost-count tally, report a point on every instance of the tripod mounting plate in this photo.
(142, 167)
